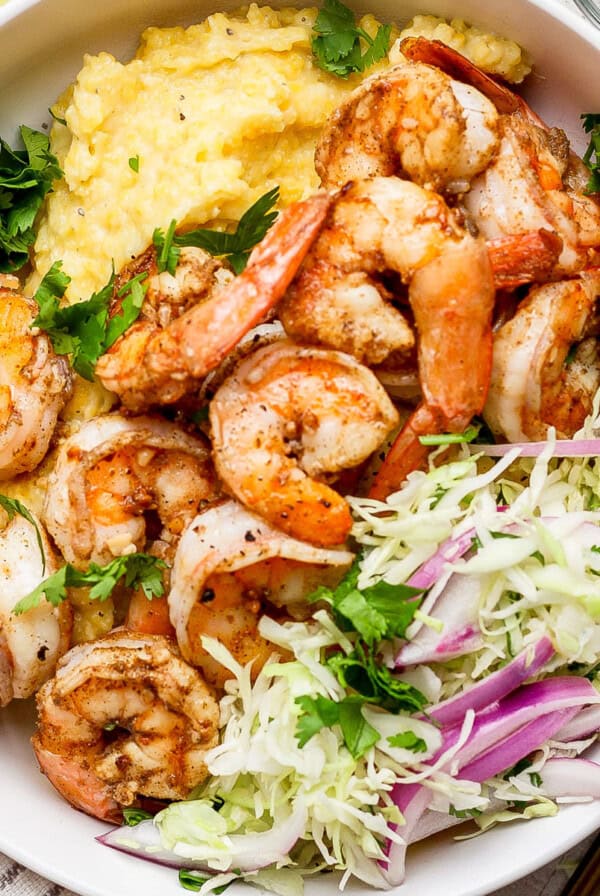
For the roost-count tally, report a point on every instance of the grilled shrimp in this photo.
(414, 121)
(534, 181)
(546, 367)
(32, 642)
(375, 227)
(124, 717)
(227, 563)
(35, 384)
(288, 416)
(112, 471)
(157, 362)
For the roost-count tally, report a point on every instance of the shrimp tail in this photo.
(148, 366)
(457, 66)
(524, 257)
(76, 784)
(455, 355)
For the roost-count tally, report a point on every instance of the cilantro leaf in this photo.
(591, 125)
(139, 571)
(11, 506)
(167, 252)
(378, 612)
(131, 817)
(84, 330)
(195, 880)
(26, 176)
(337, 42)
(361, 671)
(236, 246)
(408, 740)
(321, 712)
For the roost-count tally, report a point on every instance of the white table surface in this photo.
(548, 881)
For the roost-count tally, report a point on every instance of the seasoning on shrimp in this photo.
(124, 717)
(35, 384)
(284, 420)
(31, 642)
(227, 561)
(112, 471)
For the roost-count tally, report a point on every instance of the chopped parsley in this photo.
(132, 817)
(379, 612)
(11, 506)
(451, 438)
(235, 246)
(591, 125)
(138, 570)
(134, 163)
(85, 330)
(408, 740)
(338, 43)
(167, 253)
(25, 178)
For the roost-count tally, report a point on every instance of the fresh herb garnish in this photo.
(134, 163)
(56, 117)
(591, 125)
(408, 740)
(139, 571)
(194, 880)
(84, 330)
(132, 817)
(378, 612)
(451, 438)
(321, 712)
(464, 813)
(25, 178)
(12, 507)
(337, 44)
(363, 671)
(167, 253)
(236, 246)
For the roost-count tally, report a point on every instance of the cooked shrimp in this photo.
(32, 642)
(526, 187)
(377, 227)
(152, 364)
(546, 367)
(227, 563)
(451, 296)
(35, 384)
(287, 417)
(124, 717)
(115, 469)
(414, 121)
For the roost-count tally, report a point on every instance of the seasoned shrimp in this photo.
(531, 184)
(411, 120)
(155, 364)
(32, 642)
(35, 384)
(115, 469)
(124, 717)
(546, 367)
(376, 227)
(227, 562)
(288, 416)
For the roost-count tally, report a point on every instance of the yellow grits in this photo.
(213, 115)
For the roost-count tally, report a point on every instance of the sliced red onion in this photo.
(497, 685)
(514, 747)
(248, 852)
(457, 608)
(560, 448)
(584, 724)
(518, 709)
(504, 733)
(451, 550)
(571, 777)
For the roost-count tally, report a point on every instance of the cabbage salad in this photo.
(452, 674)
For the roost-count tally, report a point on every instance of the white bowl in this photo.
(41, 46)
